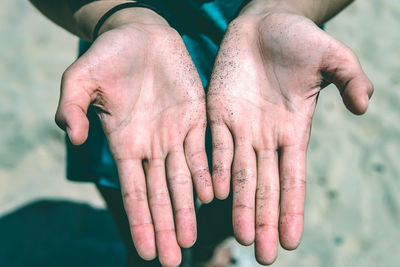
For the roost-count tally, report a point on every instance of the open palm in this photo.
(261, 99)
(151, 104)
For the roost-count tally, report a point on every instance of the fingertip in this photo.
(206, 197)
(357, 104)
(221, 183)
(221, 194)
(73, 120)
(145, 244)
(185, 243)
(265, 261)
(171, 258)
(356, 94)
(266, 257)
(186, 228)
(79, 135)
(168, 250)
(147, 254)
(289, 244)
(243, 239)
(186, 240)
(243, 227)
(266, 247)
(290, 235)
(203, 185)
(207, 191)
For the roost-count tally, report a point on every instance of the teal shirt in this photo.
(202, 24)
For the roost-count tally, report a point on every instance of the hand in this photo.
(148, 95)
(261, 99)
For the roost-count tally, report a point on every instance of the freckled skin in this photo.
(261, 99)
(151, 104)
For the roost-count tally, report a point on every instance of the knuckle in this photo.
(221, 146)
(293, 183)
(159, 197)
(140, 226)
(184, 212)
(266, 226)
(135, 195)
(156, 162)
(179, 178)
(221, 171)
(242, 176)
(266, 192)
(291, 217)
(164, 230)
(200, 172)
(71, 73)
(243, 207)
(220, 167)
(196, 155)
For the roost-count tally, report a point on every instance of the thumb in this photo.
(72, 108)
(342, 68)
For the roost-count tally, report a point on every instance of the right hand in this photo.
(151, 103)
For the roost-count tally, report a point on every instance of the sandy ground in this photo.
(353, 205)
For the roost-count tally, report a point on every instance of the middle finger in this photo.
(161, 211)
(267, 206)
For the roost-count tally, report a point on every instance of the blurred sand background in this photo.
(353, 200)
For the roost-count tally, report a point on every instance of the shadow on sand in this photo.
(59, 233)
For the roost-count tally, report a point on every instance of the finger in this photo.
(196, 158)
(344, 70)
(244, 188)
(161, 211)
(72, 109)
(180, 188)
(293, 190)
(267, 206)
(222, 155)
(133, 188)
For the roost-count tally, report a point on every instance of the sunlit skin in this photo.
(151, 104)
(261, 99)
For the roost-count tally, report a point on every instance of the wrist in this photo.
(262, 8)
(89, 16)
(128, 16)
(319, 11)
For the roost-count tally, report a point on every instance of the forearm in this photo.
(319, 11)
(81, 16)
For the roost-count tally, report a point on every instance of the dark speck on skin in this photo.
(240, 179)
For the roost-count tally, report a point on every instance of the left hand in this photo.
(261, 99)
